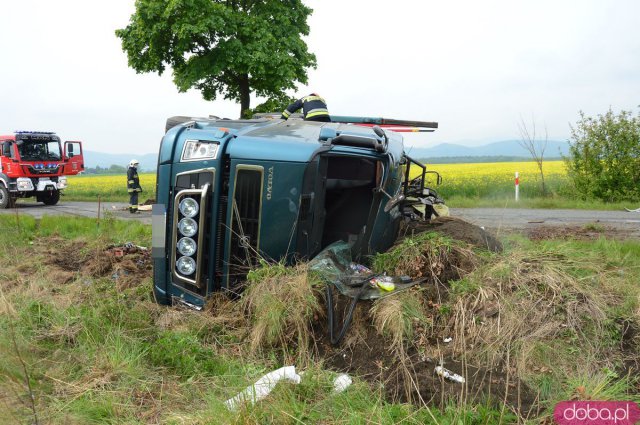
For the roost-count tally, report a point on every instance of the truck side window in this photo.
(6, 148)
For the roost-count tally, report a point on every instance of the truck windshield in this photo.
(39, 151)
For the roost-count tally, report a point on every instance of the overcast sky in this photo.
(475, 67)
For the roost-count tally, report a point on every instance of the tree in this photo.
(273, 104)
(604, 156)
(535, 147)
(222, 47)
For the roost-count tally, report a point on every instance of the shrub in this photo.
(604, 159)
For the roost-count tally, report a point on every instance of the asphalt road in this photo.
(511, 218)
(491, 218)
(79, 209)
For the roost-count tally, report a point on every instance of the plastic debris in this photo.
(359, 269)
(263, 387)
(447, 339)
(341, 383)
(383, 282)
(447, 374)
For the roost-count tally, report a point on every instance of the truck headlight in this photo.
(187, 246)
(188, 227)
(24, 183)
(186, 265)
(189, 207)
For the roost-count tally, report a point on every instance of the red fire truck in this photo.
(36, 163)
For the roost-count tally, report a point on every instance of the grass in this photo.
(93, 352)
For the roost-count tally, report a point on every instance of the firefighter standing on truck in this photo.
(133, 185)
(314, 108)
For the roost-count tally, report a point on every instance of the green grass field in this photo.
(82, 342)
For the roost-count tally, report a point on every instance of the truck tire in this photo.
(177, 120)
(5, 199)
(51, 198)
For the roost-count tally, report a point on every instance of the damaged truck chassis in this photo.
(232, 192)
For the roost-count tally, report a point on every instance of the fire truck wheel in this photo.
(5, 199)
(51, 198)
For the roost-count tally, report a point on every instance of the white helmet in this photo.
(134, 163)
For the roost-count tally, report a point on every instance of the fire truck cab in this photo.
(35, 164)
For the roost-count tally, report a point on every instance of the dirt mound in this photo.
(394, 342)
(588, 232)
(402, 360)
(456, 229)
(128, 265)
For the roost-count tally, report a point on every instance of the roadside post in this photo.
(517, 185)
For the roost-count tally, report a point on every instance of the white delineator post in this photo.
(517, 185)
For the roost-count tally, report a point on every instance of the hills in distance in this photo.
(506, 150)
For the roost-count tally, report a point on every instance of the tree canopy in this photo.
(222, 48)
(604, 159)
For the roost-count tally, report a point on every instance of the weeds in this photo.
(281, 304)
(560, 316)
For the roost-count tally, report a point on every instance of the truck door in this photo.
(75, 160)
(6, 156)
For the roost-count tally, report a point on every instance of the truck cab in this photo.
(232, 192)
(35, 164)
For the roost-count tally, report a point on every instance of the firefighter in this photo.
(314, 108)
(133, 185)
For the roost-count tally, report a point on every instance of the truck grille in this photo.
(191, 234)
(43, 169)
(246, 211)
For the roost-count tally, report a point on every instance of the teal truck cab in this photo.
(232, 192)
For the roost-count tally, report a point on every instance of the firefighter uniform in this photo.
(133, 186)
(314, 108)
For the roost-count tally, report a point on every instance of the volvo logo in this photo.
(269, 183)
(244, 242)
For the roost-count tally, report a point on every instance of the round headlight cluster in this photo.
(187, 246)
(188, 227)
(189, 207)
(186, 265)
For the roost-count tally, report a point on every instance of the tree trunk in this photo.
(245, 91)
(544, 188)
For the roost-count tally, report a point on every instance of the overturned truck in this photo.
(231, 193)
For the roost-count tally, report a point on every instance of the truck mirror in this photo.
(6, 149)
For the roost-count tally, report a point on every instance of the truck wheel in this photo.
(5, 199)
(51, 198)
(177, 120)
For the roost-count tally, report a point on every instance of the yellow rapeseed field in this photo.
(467, 180)
(492, 178)
(108, 187)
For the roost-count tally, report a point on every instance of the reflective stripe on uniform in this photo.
(131, 181)
(286, 114)
(317, 112)
(312, 98)
(131, 190)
